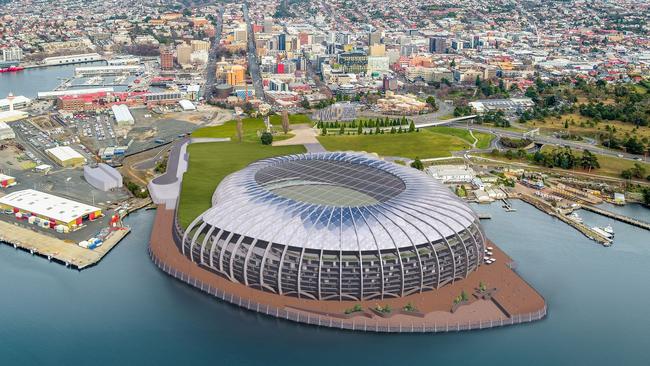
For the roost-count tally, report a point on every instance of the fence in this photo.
(364, 324)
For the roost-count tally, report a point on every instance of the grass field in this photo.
(610, 166)
(423, 144)
(484, 139)
(623, 130)
(251, 128)
(210, 163)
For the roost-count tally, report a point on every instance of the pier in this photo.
(619, 217)
(584, 229)
(62, 251)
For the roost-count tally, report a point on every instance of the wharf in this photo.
(65, 252)
(619, 217)
(584, 229)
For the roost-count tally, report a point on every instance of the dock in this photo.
(619, 217)
(584, 229)
(62, 251)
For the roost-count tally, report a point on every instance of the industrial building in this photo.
(122, 115)
(12, 102)
(72, 59)
(53, 210)
(335, 226)
(59, 93)
(511, 105)
(7, 181)
(11, 116)
(6, 132)
(102, 177)
(451, 173)
(187, 105)
(110, 70)
(66, 156)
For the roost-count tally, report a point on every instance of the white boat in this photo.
(600, 231)
(609, 229)
(575, 217)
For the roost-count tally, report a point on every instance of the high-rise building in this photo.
(166, 58)
(183, 54)
(377, 50)
(437, 45)
(374, 38)
(304, 38)
(241, 34)
(235, 76)
(282, 42)
(354, 62)
(268, 25)
(199, 45)
(12, 54)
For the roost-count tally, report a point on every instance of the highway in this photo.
(210, 77)
(546, 140)
(253, 64)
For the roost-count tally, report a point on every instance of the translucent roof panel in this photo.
(337, 201)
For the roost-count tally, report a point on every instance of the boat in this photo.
(600, 231)
(609, 229)
(12, 69)
(575, 217)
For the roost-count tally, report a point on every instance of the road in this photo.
(253, 64)
(210, 77)
(546, 140)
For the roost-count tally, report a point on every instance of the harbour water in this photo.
(125, 311)
(31, 81)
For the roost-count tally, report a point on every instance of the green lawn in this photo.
(423, 144)
(484, 139)
(210, 162)
(251, 128)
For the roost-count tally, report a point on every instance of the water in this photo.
(31, 81)
(125, 311)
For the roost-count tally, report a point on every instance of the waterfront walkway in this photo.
(514, 301)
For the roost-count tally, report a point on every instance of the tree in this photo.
(646, 196)
(359, 129)
(267, 138)
(589, 161)
(633, 146)
(285, 122)
(304, 103)
(240, 129)
(417, 164)
(411, 126)
(431, 101)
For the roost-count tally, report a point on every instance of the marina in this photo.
(616, 216)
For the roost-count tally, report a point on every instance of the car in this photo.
(638, 159)
(619, 155)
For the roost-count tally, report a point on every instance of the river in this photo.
(126, 311)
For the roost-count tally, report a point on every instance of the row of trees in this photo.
(565, 159)
(366, 123)
(558, 158)
(377, 130)
(498, 118)
(627, 112)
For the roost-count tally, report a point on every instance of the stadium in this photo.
(335, 226)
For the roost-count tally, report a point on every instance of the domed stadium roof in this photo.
(337, 201)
